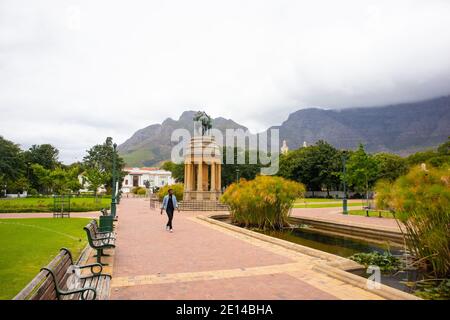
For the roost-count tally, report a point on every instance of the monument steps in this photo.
(202, 205)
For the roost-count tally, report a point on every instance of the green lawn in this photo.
(372, 213)
(46, 204)
(26, 245)
(325, 205)
(317, 200)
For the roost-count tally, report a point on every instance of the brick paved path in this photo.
(204, 261)
(335, 215)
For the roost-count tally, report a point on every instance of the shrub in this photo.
(263, 203)
(139, 191)
(421, 201)
(178, 189)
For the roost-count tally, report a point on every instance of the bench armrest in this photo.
(92, 266)
(97, 275)
(81, 290)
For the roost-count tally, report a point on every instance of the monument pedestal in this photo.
(202, 175)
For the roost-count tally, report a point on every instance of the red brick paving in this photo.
(334, 215)
(263, 287)
(143, 247)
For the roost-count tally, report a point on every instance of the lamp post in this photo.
(344, 201)
(114, 178)
(237, 175)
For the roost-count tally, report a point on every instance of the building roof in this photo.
(148, 170)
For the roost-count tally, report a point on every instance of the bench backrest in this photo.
(90, 232)
(95, 226)
(43, 286)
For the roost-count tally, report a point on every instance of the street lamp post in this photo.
(114, 178)
(237, 175)
(344, 201)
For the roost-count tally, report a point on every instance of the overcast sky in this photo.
(74, 72)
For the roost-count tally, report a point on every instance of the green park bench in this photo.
(99, 241)
(61, 206)
(102, 234)
(59, 280)
(369, 209)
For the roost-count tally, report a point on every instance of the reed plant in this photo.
(420, 200)
(177, 191)
(262, 203)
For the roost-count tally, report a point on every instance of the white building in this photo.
(136, 177)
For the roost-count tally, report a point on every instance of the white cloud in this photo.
(74, 72)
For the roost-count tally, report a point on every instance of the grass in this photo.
(317, 200)
(26, 245)
(81, 204)
(325, 205)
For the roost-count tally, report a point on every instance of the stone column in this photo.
(191, 176)
(213, 176)
(199, 181)
(188, 177)
(186, 184)
(219, 177)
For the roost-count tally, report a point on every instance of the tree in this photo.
(19, 185)
(45, 154)
(95, 179)
(64, 181)
(438, 158)
(100, 157)
(444, 149)
(44, 181)
(246, 170)
(177, 170)
(12, 164)
(317, 166)
(362, 171)
(390, 166)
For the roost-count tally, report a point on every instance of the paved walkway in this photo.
(201, 260)
(335, 215)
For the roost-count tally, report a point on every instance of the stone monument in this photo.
(202, 168)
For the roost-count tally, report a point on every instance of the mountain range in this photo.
(400, 128)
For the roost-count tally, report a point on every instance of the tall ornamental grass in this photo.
(262, 203)
(177, 188)
(421, 201)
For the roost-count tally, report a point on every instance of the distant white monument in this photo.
(284, 147)
(304, 144)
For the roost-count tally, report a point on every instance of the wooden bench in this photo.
(99, 241)
(102, 234)
(61, 279)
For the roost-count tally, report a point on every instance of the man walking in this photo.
(169, 204)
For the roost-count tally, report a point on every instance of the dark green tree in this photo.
(45, 154)
(12, 164)
(177, 170)
(390, 166)
(247, 171)
(362, 171)
(100, 157)
(317, 166)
